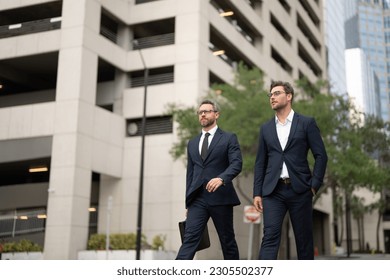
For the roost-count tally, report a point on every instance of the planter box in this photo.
(98, 255)
(22, 256)
(125, 255)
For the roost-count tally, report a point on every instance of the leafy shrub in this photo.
(23, 245)
(118, 241)
(97, 242)
(158, 242)
(123, 241)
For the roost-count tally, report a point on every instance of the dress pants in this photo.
(300, 207)
(198, 214)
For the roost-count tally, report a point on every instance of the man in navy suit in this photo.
(283, 180)
(209, 187)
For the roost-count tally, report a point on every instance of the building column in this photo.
(125, 36)
(71, 174)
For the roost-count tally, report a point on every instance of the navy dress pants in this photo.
(300, 207)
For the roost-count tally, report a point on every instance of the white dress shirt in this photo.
(283, 130)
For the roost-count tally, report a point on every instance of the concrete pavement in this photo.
(355, 257)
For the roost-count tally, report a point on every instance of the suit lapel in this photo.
(293, 128)
(195, 147)
(275, 133)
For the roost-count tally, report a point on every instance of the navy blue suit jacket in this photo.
(304, 135)
(224, 160)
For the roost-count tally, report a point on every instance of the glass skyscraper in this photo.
(366, 27)
(335, 42)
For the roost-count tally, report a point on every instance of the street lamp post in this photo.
(109, 208)
(141, 175)
(348, 222)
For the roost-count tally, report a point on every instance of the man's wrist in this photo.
(222, 181)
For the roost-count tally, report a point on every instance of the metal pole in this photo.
(141, 175)
(14, 224)
(348, 222)
(250, 243)
(109, 206)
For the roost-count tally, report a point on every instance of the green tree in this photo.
(359, 209)
(376, 135)
(350, 166)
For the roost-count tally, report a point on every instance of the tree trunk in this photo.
(377, 230)
(336, 217)
(363, 235)
(359, 234)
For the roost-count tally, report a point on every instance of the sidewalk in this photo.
(355, 257)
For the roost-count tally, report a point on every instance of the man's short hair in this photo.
(215, 105)
(286, 85)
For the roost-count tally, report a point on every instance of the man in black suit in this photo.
(209, 187)
(283, 180)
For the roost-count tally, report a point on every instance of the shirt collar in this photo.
(289, 117)
(211, 131)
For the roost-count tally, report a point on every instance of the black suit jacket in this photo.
(224, 160)
(304, 135)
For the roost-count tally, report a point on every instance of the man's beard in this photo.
(279, 106)
(206, 123)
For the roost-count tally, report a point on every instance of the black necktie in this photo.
(205, 146)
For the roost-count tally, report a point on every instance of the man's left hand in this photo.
(214, 184)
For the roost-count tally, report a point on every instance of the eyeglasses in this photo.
(275, 93)
(205, 112)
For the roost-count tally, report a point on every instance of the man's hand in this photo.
(214, 184)
(258, 203)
